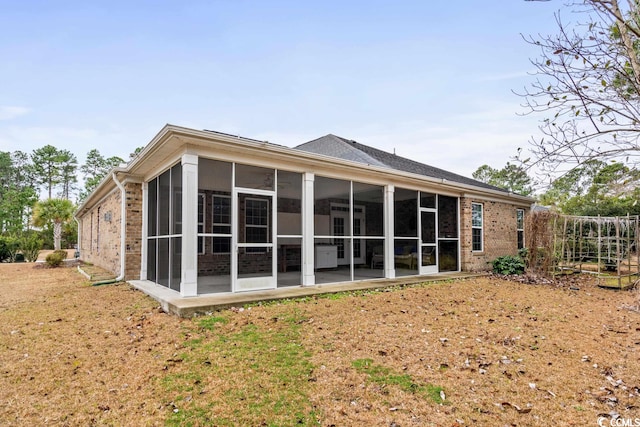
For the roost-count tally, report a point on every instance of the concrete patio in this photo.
(172, 302)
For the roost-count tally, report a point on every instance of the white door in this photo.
(358, 230)
(340, 217)
(255, 259)
(428, 256)
(339, 223)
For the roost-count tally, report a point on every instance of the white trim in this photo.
(389, 232)
(234, 229)
(144, 255)
(219, 224)
(518, 210)
(189, 260)
(308, 254)
(488, 198)
(475, 227)
(239, 284)
(254, 226)
(204, 220)
(428, 269)
(173, 140)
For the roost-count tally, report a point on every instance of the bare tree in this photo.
(588, 86)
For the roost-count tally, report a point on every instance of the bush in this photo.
(523, 253)
(31, 246)
(61, 253)
(8, 248)
(508, 264)
(3, 250)
(54, 259)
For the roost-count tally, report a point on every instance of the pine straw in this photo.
(505, 353)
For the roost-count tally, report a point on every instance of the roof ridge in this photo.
(341, 138)
(394, 161)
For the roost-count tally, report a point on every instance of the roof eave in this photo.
(107, 184)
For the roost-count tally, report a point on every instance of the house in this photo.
(203, 212)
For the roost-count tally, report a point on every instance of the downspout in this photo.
(78, 246)
(123, 227)
(79, 236)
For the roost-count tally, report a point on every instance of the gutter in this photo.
(324, 160)
(123, 226)
(204, 138)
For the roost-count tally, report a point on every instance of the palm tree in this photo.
(56, 212)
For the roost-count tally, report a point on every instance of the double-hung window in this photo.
(477, 221)
(256, 222)
(520, 227)
(222, 224)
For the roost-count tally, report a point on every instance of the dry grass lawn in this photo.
(485, 352)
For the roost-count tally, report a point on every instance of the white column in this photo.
(389, 260)
(308, 261)
(145, 234)
(189, 282)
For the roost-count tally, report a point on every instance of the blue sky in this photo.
(431, 80)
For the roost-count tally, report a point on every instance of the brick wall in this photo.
(100, 234)
(499, 233)
(133, 240)
(100, 239)
(101, 228)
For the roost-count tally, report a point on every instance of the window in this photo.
(222, 214)
(357, 231)
(221, 223)
(98, 232)
(91, 233)
(476, 227)
(520, 227)
(201, 208)
(256, 223)
(338, 230)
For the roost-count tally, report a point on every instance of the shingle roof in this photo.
(335, 146)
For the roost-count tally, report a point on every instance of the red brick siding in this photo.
(133, 240)
(100, 234)
(499, 233)
(101, 229)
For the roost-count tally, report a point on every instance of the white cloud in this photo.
(9, 112)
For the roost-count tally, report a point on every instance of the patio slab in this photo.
(172, 302)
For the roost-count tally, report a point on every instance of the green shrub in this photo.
(61, 253)
(31, 246)
(8, 248)
(508, 264)
(54, 259)
(3, 250)
(523, 253)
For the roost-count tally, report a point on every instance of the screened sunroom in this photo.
(207, 213)
(255, 228)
